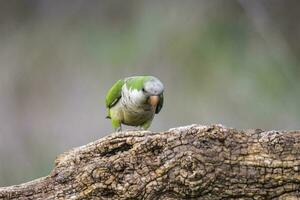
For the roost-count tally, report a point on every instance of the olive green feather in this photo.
(136, 82)
(113, 95)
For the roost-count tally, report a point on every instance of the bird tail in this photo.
(108, 114)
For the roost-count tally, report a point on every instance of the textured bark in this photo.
(192, 162)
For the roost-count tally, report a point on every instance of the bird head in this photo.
(153, 89)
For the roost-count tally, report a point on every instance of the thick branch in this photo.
(193, 162)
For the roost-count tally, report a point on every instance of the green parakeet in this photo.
(134, 101)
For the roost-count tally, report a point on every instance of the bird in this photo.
(134, 101)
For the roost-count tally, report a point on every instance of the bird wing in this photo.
(160, 103)
(114, 94)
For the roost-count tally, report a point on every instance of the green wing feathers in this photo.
(160, 104)
(113, 95)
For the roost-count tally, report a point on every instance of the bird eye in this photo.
(143, 89)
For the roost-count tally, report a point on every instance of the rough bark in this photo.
(192, 162)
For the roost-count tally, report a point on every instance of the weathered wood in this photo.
(192, 162)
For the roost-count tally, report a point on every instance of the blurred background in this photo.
(234, 62)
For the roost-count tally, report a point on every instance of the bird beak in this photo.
(153, 100)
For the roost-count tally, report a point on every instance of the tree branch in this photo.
(192, 162)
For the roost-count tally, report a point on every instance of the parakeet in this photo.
(134, 101)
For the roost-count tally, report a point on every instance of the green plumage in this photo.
(113, 95)
(136, 82)
(131, 101)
